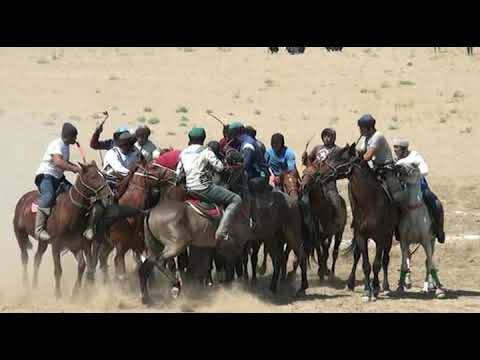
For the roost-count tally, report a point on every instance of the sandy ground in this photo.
(431, 98)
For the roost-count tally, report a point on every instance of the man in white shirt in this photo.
(50, 178)
(123, 157)
(118, 162)
(406, 156)
(196, 163)
(147, 148)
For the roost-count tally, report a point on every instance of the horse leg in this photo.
(263, 268)
(285, 263)
(144, 272)
(244, 263)
(169, 252)
(336, 247)
(320, 271)
(363, 243)
(385, 264)
(440, 291)
(119, 261)
(325, 250)
(276, 255)
(42, 247)
(377, 265)
(356, 259)
(254, 261)
(56, 253)
(104, 252)
(81, 269)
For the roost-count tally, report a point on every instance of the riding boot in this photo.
(227, 218)
(40, 222)
(96, 213)
(439, 222)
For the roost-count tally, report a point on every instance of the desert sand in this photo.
(431, 98)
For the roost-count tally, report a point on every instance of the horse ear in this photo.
(93, 163)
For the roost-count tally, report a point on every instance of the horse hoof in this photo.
(365, 298)
(408, 286)
(261, 270)
(440, 294)
(175, 292)
(147, 301)
(300, 293)
(386, 293)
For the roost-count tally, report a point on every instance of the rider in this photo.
(147, 148)
(253, 133)
(374, 147)
(195, 162)
(406, 156)
(50, 178)
(108, 144)
(280, 159)
(318, 155)
(255, 165)
(119, 161)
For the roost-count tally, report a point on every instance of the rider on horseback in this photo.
(50, 178)
(318, 155)
(254, 160)
(119, 161)
(374, 148)
(108, 144)
(406, 156)
(280, 159)
(147, 148)
(195, 162)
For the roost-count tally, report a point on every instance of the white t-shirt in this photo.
(116, 161)
(195, 161)
(149, 150)
(47, 166)
(417, 159)
(383, 153)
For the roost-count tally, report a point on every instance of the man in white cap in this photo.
(406, 156)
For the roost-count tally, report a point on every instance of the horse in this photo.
(415, 227)
(65, 224)
(323, 213)
(290, 185)
(173, 225)
(135, 190)
(374, 217)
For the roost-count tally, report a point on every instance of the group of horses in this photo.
(174, 233)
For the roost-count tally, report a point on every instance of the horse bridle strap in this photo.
(74, 202)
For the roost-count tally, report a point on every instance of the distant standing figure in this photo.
(469, 50)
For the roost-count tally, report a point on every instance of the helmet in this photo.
(197, 134)
(366, 121)
(331, 132)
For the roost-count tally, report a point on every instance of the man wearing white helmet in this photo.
(406, 156)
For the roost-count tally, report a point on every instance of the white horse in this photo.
(416, 228)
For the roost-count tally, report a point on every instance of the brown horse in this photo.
(374, 217)
(323, 212)
(173, 225)
(65, 224)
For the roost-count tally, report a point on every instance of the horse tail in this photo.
(21, 234)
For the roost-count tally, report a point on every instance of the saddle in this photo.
(204, 207)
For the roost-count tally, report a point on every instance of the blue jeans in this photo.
(428, 196)
(49, 187)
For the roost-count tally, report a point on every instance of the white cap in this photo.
(401, 142)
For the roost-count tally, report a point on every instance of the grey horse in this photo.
(415, 227)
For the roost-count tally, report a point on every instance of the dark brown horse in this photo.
(173, 225)
(65, 224)
(290, 184)
(374, 217)
(323, 212)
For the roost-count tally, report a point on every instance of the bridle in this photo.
(95, 192)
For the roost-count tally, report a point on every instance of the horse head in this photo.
(291, 183)
(92, 184)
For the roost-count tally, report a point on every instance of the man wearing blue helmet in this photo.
(375, 149)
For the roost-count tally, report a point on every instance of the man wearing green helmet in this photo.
(195, 164)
